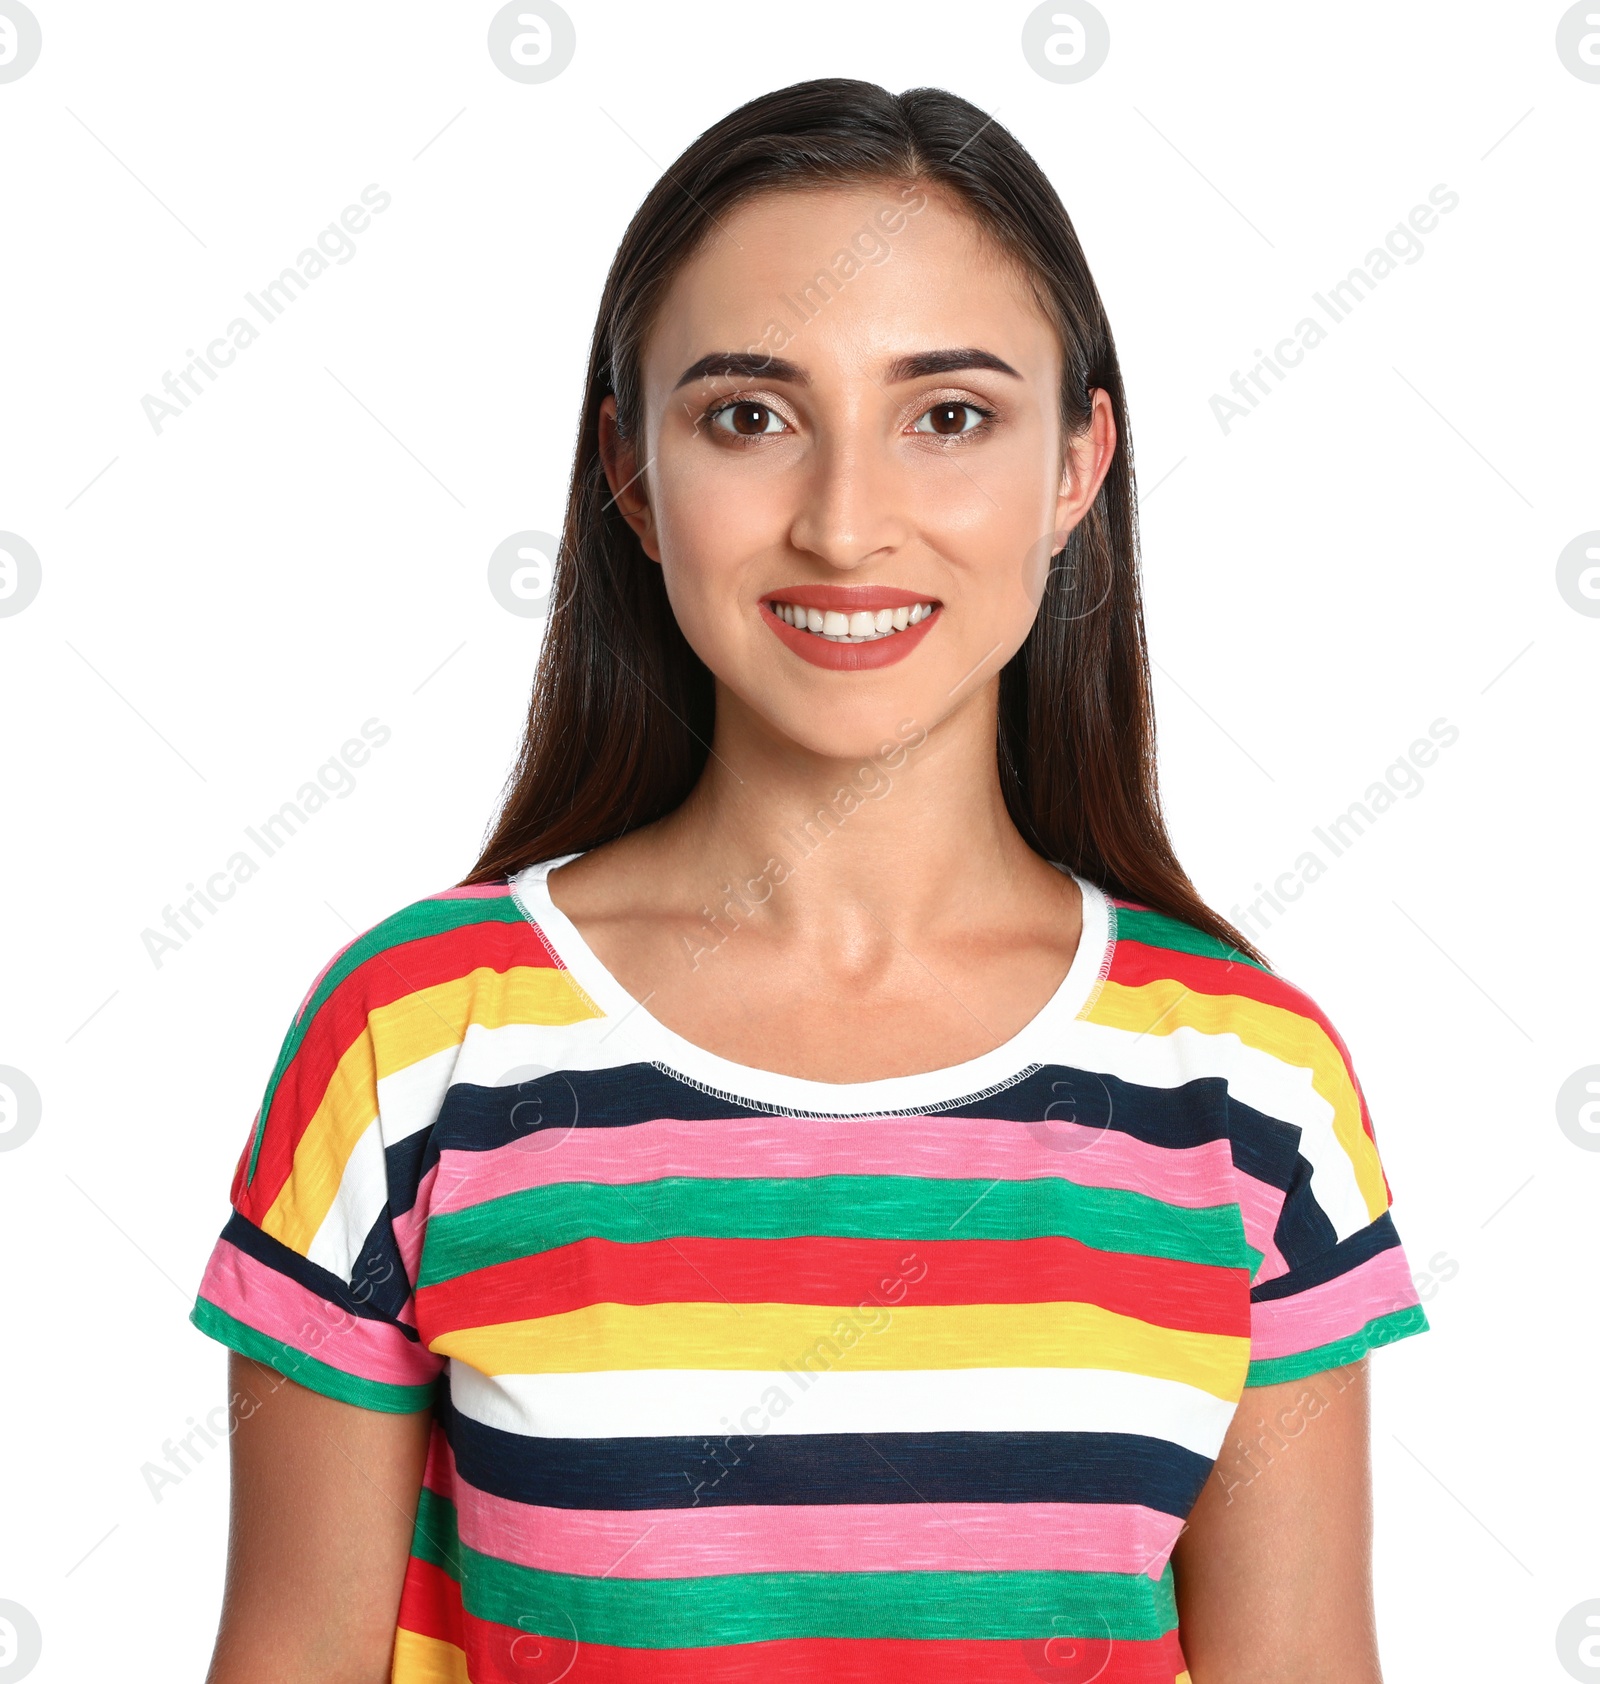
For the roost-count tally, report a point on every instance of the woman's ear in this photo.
(1086, 461)
(625, 476)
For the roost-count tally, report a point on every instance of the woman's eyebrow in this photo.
(924, 363)
(742, 365)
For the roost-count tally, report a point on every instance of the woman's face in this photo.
(851, 408)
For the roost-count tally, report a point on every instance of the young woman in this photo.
(824, 1199)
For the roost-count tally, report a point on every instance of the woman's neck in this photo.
(917, 819)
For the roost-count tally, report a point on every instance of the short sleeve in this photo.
(313, 1274)
(1332, 1281)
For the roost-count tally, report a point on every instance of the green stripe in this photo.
(724, 1608)
(1381, 1330)
(1155, 929)
(411, 923)
(863, 1207)
(296, 1365)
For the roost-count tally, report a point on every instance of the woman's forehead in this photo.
(846, 275)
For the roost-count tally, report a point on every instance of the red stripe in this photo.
(1135, 963)
(430, 1603)
(1196, 1297)
(498, 1654)
(342, 1019)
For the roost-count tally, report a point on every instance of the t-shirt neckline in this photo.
(637, 1035)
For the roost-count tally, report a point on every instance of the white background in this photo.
(225, 602)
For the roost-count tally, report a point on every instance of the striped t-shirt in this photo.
(740, 1376)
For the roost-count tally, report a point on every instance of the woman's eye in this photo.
(950, 419)
(748, 420)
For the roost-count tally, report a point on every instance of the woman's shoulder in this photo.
(381, 1028)
(1193, 1003)
(1169, 981)
(1179, 959)
(434, 955)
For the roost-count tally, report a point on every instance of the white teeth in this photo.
(862, 626)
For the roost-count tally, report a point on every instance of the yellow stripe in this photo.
(1158, 1008)
(405, 1032)
(348, 1107)
(427, 1660)
(418, 1025)
(777, 1336)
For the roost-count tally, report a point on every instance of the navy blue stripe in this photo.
(530, 1102)
(405, 1164)
(1337, 1259)
(378, 1276)
(482, 1118)
(372, 1296)
(780, 1468)
(1264, 1147)
(1193, 1114)
(1304, 1231)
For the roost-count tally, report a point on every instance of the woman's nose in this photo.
(852, 501)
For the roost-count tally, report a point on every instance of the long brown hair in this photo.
(620, 723)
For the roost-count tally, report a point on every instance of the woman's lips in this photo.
(849, 657)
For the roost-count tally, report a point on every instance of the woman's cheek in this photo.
(700, 565)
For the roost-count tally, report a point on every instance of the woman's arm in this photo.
(1274, 1570)
(324, 1496)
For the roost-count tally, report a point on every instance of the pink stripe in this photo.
(807, 1538)
(411, 1226)
(283, 1309)
(1261, 1206)
(1282, 1327)
(946, 1147)
(472, 891)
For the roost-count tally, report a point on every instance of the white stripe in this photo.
(362, 1196)
(494, 1058)
(667, 1402)
(1266, 1083)
(409, 1099)
(1255, 1078)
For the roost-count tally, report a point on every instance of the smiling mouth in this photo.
(852, 625)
